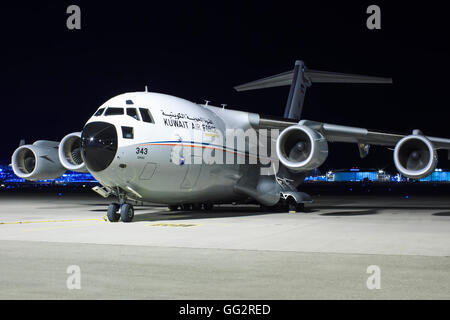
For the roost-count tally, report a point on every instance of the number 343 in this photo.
(141, 150)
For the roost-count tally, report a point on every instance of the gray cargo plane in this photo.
(146, 146)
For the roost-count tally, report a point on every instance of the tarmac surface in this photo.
(233, 252)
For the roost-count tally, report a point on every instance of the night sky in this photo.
(53, 79)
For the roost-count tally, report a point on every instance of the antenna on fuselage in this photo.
(146, 89)
(223, 105)
(206, 102)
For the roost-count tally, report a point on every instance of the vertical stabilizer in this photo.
(297, 92)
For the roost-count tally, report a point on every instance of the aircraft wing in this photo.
(339, 133)
(414, 154)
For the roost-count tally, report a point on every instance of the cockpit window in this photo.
(99, 112)
(132, 112)
(146, 115)
(127, 132)
(113, 111)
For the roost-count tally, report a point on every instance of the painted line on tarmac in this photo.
(172, 225)
(47, 221)
(59, 227)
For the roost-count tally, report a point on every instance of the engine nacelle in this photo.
(38, 161)
(70, 153)
(415, 157)
(301, 148)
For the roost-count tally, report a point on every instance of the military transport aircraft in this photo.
(146, 146)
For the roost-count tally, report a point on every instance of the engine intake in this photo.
(415, 157)
(301, 148)
(38, 161)
(70, 153)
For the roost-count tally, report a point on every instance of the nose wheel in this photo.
(124, 212)
(112, 214)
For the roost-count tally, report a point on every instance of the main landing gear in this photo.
(289, 204)
(124, 212)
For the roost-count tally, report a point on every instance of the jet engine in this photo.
(70, 153)
(38, 161)
(301, 148)
(415, 157)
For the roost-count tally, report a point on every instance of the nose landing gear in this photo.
(112, 214)
(124, 212)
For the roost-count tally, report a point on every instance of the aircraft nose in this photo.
(98, 145)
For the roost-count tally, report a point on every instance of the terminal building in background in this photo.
(374, 175)
(8, 180)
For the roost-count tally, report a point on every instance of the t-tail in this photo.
(300, 78)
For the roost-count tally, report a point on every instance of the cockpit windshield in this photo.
(132, 112)
(113, 111)
(99, 112)
(146, 115)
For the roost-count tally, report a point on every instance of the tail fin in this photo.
(300, 79)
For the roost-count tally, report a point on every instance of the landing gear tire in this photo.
(126, 212)
(292, 205)
(112, 214)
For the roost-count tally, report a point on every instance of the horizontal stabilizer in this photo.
(285, 79)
